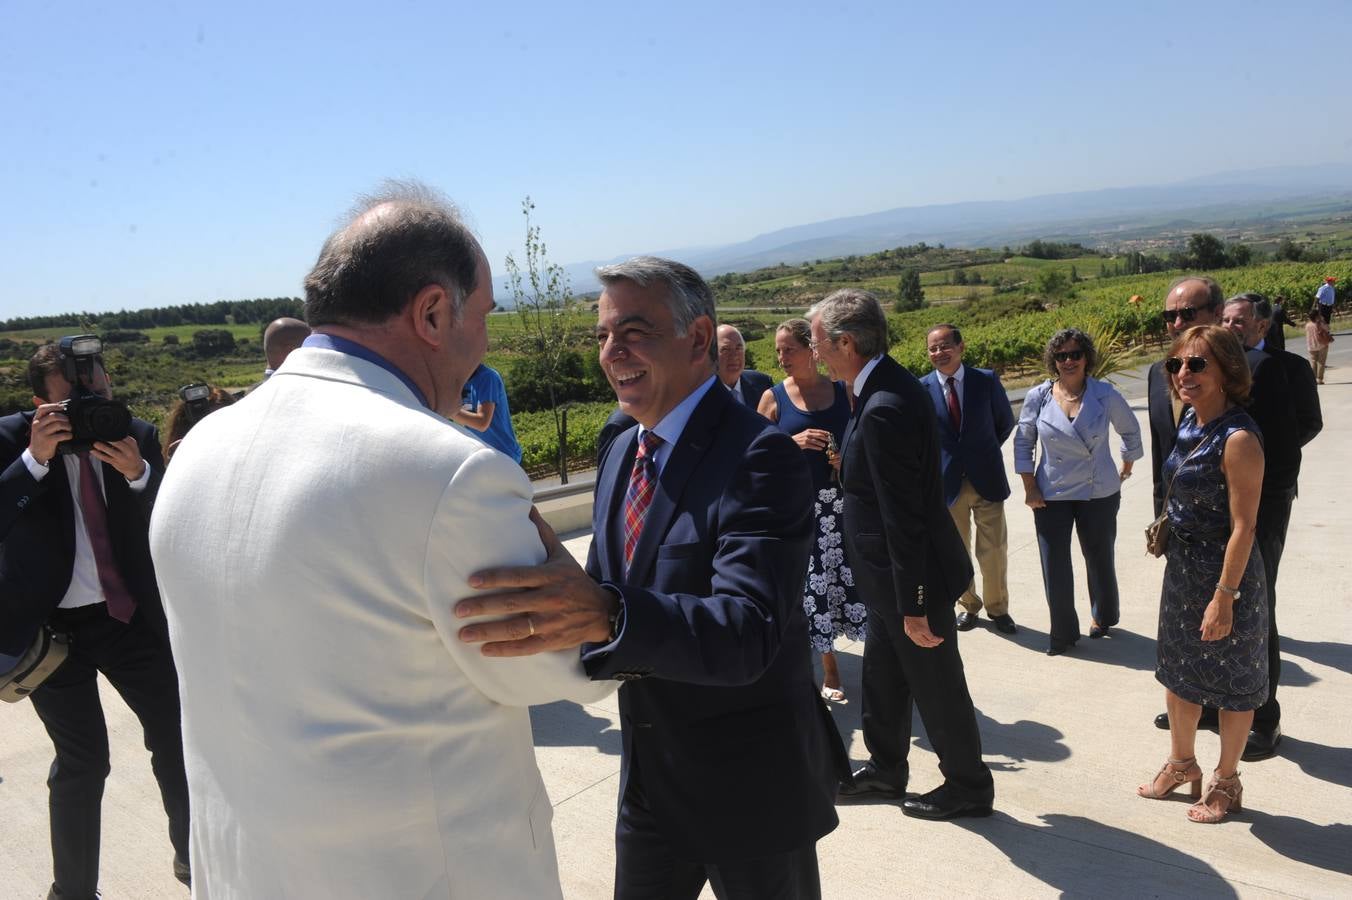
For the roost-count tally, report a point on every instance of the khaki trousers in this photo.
(992, 549)
(1318, 359)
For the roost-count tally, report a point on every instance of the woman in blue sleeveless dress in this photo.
(815, 410)
(1213, 626)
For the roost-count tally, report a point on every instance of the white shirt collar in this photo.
(957, 376)
(864, 374)
(673, 423)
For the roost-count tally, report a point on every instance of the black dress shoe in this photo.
(868, 783)
(1262, 744)
(1208, 722)
(1005, 624)
(966, 621)
(1057, 648)
(1098, 631)
(941, 803)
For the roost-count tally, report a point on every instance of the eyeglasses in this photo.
(1066, 355)
(1186, 313)
(1173, 365)
(941, 348)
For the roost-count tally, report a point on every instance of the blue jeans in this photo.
(1095, 521)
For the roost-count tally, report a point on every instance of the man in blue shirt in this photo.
(485, 410)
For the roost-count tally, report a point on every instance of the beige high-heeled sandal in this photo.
(1176, 772)
(1228, 788)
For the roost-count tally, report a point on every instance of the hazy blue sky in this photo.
(173, 152)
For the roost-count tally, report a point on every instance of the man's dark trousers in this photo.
(135, 661)
(1274, 514)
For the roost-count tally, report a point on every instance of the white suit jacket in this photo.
(310, 543)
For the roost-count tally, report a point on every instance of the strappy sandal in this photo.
(1229, 789)
(1176, 773)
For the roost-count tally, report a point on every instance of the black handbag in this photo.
(30, 669)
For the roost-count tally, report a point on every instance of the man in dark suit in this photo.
(616, 424)
(975, 419)
(746, 385)
(75, 559)
(702, 522)
(909, 565)
(1285, 404)
(1191, 300)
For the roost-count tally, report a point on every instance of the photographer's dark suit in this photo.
(908, 560)
(730, 757)
(37, 558)
(753, 384)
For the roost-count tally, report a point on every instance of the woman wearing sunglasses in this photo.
(1213, 629)
(1075, 484)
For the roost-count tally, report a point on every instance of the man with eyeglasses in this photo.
(746, 385)
(1285, 404)
(1191, 300)
(974, 422)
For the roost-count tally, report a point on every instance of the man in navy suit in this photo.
(909, 566)
(702, 522)
(974, 421)
(87, 574)
(1285, 404)
(746, 385)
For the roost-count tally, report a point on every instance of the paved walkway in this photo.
(1068, 738)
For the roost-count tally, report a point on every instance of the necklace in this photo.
(1068, 397)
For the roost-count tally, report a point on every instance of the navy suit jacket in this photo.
(1163, 429)
(987, 421)
(723, 727)
(900, 540)
(754, 384)
(37, 533)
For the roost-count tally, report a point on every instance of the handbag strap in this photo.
(1200, 444)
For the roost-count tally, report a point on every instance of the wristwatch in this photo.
(1233, 592)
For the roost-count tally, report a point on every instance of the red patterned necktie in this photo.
(642, 483)
(121, 604)
(954, 414)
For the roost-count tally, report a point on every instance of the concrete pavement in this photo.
(1068, 738)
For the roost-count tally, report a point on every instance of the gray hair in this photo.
(688, 295)
(394, 243)
(857, 313)
(1262, 307)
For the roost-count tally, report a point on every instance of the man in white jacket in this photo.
(310, 544)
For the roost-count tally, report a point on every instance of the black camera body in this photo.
(92, 418)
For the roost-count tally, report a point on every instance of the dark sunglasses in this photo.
(1066, 355)
(1173, 365)
(1186, 313)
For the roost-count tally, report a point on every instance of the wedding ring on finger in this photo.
(531, 625)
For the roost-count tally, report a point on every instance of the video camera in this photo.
(92, 418)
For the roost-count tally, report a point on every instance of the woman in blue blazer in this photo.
(1075, 483)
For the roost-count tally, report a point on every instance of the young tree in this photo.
(910, 295)
(543, 296)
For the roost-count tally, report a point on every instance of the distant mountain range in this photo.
(1100, 218)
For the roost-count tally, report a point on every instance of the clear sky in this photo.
(160, 153)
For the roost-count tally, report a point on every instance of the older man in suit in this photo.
(74, 558)
(341, 740)
(909, 564)
(746, 385)
(974, 419)
(702, 519)
(1286, 407)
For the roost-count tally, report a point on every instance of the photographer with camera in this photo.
(195, 401)
(78, 477)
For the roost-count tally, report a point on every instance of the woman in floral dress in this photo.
(814, 410)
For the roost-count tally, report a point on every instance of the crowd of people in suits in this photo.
(344, 708)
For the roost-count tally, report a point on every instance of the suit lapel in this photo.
(612, 483)
(875, 378)
(694, 442)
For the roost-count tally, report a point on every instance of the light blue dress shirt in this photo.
(1076, 461)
